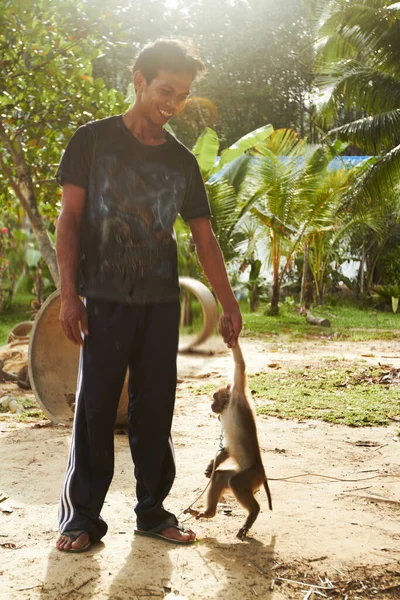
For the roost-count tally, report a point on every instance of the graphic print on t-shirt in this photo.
(128, 249)
(133, 217)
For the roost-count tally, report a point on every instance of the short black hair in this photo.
(175, 56)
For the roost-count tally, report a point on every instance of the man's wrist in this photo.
(66, 293)
(231, 306)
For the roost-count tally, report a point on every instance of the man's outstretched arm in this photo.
(212, 262)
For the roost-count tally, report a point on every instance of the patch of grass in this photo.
(19, 311)
(27, 410)
(347, 322)
(333, 393)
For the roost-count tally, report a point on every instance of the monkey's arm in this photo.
(222, 456)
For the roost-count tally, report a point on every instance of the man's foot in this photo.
(176, 534)
(172, 533)
(73, 541)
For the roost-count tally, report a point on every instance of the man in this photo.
(125, 179)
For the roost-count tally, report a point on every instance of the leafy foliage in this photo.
(358, 61)
(46, 91)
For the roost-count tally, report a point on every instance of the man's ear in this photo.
(139, 81)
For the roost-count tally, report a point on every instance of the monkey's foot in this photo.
(205, 515)
(242, 533)
(191, 511)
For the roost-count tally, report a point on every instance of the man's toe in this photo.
(65, 543)
(80, 541)
(173, 533)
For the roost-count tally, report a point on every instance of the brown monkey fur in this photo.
(239, 426)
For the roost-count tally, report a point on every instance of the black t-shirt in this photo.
(134, 193)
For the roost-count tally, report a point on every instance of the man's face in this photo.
(164, 96)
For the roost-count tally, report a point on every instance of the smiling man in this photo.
(125, 180)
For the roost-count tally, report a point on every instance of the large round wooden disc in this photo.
(54, 361)
(53, 364)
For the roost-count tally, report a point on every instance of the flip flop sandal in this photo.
(156, 533)
(73, 535)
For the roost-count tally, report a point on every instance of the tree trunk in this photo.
(254, 298)
(39, 285)
(23, 188)
(305, 280)
(317, 320)
(362, 266)
(46, 247)
(187, 313)
(1, 290)
(274, 310)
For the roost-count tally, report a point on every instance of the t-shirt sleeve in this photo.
(195, 203)
(75, 162)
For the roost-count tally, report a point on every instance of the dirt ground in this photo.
(334, 530)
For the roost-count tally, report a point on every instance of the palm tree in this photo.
(358, 62)
(296, 197)
(228, 188)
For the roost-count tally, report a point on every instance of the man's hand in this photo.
(73, 318)
(230, 326)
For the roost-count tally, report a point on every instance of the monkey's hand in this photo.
(209, 469)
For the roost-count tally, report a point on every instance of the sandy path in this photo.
(318, 527)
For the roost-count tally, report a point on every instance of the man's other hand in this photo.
(73, 318)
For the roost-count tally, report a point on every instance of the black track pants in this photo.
(145, 339)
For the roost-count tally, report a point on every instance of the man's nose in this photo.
(174, 102)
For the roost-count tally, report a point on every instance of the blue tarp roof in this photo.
(347, 161)
(339, 162)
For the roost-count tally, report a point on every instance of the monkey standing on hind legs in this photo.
(239, 427)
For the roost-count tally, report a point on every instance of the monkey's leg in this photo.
(219, 483)
(222, 456)
(242, 485)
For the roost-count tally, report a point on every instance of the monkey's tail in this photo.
(266, 486)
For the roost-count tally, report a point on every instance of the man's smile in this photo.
(166, 114)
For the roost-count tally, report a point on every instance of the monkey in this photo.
(239, 427)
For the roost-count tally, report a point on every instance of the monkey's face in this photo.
(221, 399)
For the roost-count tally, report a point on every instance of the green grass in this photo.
(347, 322)
(350, 395)
(19, 311)
(27, 410)
(335, 392)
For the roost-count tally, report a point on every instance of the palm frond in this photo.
(272, 222)
(367, 29)
(236, 172)
(356, 86)
(382, 180)
(224, 208)
(283, 142)
(371, 133)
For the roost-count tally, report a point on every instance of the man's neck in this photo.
(146, 132)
